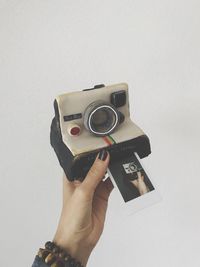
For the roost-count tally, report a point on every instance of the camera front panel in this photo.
(72, 109)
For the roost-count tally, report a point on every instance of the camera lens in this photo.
(101, 118)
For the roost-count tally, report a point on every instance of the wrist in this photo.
(54, 255)
(78, 251)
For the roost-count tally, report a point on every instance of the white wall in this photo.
(49, 47)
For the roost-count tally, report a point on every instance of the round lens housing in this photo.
(101, 118)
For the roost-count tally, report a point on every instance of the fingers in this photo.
(96, 172)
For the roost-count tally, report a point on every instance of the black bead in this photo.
(49, 245)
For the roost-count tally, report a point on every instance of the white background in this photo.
(50, 47)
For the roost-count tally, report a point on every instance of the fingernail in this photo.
(103, 155)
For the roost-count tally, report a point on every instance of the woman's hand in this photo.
(84, 209)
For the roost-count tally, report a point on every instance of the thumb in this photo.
(96, 172)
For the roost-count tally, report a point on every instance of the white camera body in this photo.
(92, 119)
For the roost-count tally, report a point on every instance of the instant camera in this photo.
(87, 121)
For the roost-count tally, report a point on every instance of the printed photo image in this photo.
(130, 178)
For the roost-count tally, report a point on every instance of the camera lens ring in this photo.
(113, 126)
(107, 108)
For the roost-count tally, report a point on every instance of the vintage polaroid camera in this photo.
(92, 119)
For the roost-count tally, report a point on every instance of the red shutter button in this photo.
(74, 130)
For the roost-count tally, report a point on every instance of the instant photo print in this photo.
(130, 178)
(89, 120)
(133, 182)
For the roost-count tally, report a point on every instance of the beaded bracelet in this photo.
(54, 256)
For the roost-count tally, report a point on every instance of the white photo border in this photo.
(136, 204)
